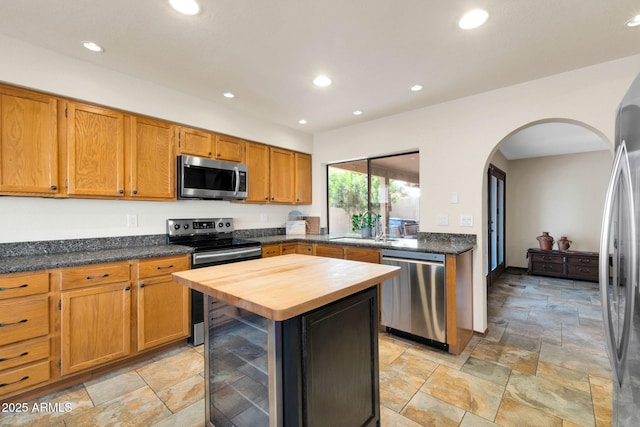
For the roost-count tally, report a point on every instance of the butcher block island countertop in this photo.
(283, 287)
(301, 330)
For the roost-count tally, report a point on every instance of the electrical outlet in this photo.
(132, 220)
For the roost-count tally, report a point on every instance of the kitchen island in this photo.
(292, 340)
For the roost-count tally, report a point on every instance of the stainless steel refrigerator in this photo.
(619, 262)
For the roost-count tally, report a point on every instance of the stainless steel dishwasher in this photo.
(414, 303)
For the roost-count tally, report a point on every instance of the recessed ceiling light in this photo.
(322, 81)
(302, 121)
(228, 95)
(416, 88)
(634, 22)
(93, 47)
(186, 7)
(473, 19)
(357, 113)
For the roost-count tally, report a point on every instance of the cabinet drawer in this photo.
(288, 248)
(24, 352)
(547, 268)
(588, 272)
(19, 378)
(330, 251)
(305, 249)
(362, 254)
(20, 285)
(588, 261)
(161, 266)
(94, 274)
(23, 319)
(547, 258)
(270, 250)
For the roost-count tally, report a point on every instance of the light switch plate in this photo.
(466, 220)
(442, 219)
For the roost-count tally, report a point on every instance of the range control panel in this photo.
(189, 227)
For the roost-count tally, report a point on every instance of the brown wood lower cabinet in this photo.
(564, 264)
(162, 306)
(64, 326)
(95, 325)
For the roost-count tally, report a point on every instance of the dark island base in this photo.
(316, 369)
(422, 340)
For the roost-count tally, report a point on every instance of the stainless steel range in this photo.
(214, 244)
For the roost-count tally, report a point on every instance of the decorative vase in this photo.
(365, 232)
(545, 241)
(564, 243)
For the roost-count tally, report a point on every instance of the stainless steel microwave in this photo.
(201, 178)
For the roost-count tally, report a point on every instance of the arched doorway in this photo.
(557, 171)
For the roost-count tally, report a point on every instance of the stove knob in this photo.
(177, 226)
(228, 224)
(186, 226)
(220, 225)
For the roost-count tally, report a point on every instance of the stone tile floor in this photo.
(542, 363)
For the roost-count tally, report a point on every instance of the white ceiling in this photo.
(268, 52)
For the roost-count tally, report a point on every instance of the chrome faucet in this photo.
(376, 223)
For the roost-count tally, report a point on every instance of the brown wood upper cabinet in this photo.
(257, 160)
(28, 142)
(282, 169)
(151, 160)
(303, 178)
(95, 151)
(195, 142)
(229, 148)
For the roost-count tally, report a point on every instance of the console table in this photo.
(564, 264)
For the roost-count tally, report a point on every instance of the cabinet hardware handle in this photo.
(135, 191)
(98, 277)
(53, 187)
(4, 359)
(209, 152)
(584, 261)
(121, 191)
(161, 267)
(127, 288)
(141, 285)
(584, 270)
(24, 285)
(16, 382)
(547, 267)
(266, 198)
(218, 154)
(14, 323)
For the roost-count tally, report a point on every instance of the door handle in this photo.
(620, 184)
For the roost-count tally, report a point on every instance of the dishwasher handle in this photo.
(413, 261)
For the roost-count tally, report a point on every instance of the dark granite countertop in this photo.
(31, 256)
(42, 255)
(428, 242)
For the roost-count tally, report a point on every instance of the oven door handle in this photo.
(227, 254)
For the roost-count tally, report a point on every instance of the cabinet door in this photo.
(257, 159)
(303, 178)
(229, 148)
(162, 312)
(282, 169)
(195, 142)
(28, 142)
(95, 151)
(95, 326)
(152, 163)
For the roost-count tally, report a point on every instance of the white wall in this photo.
(563, 195)
(25, 219)
(456, 140)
